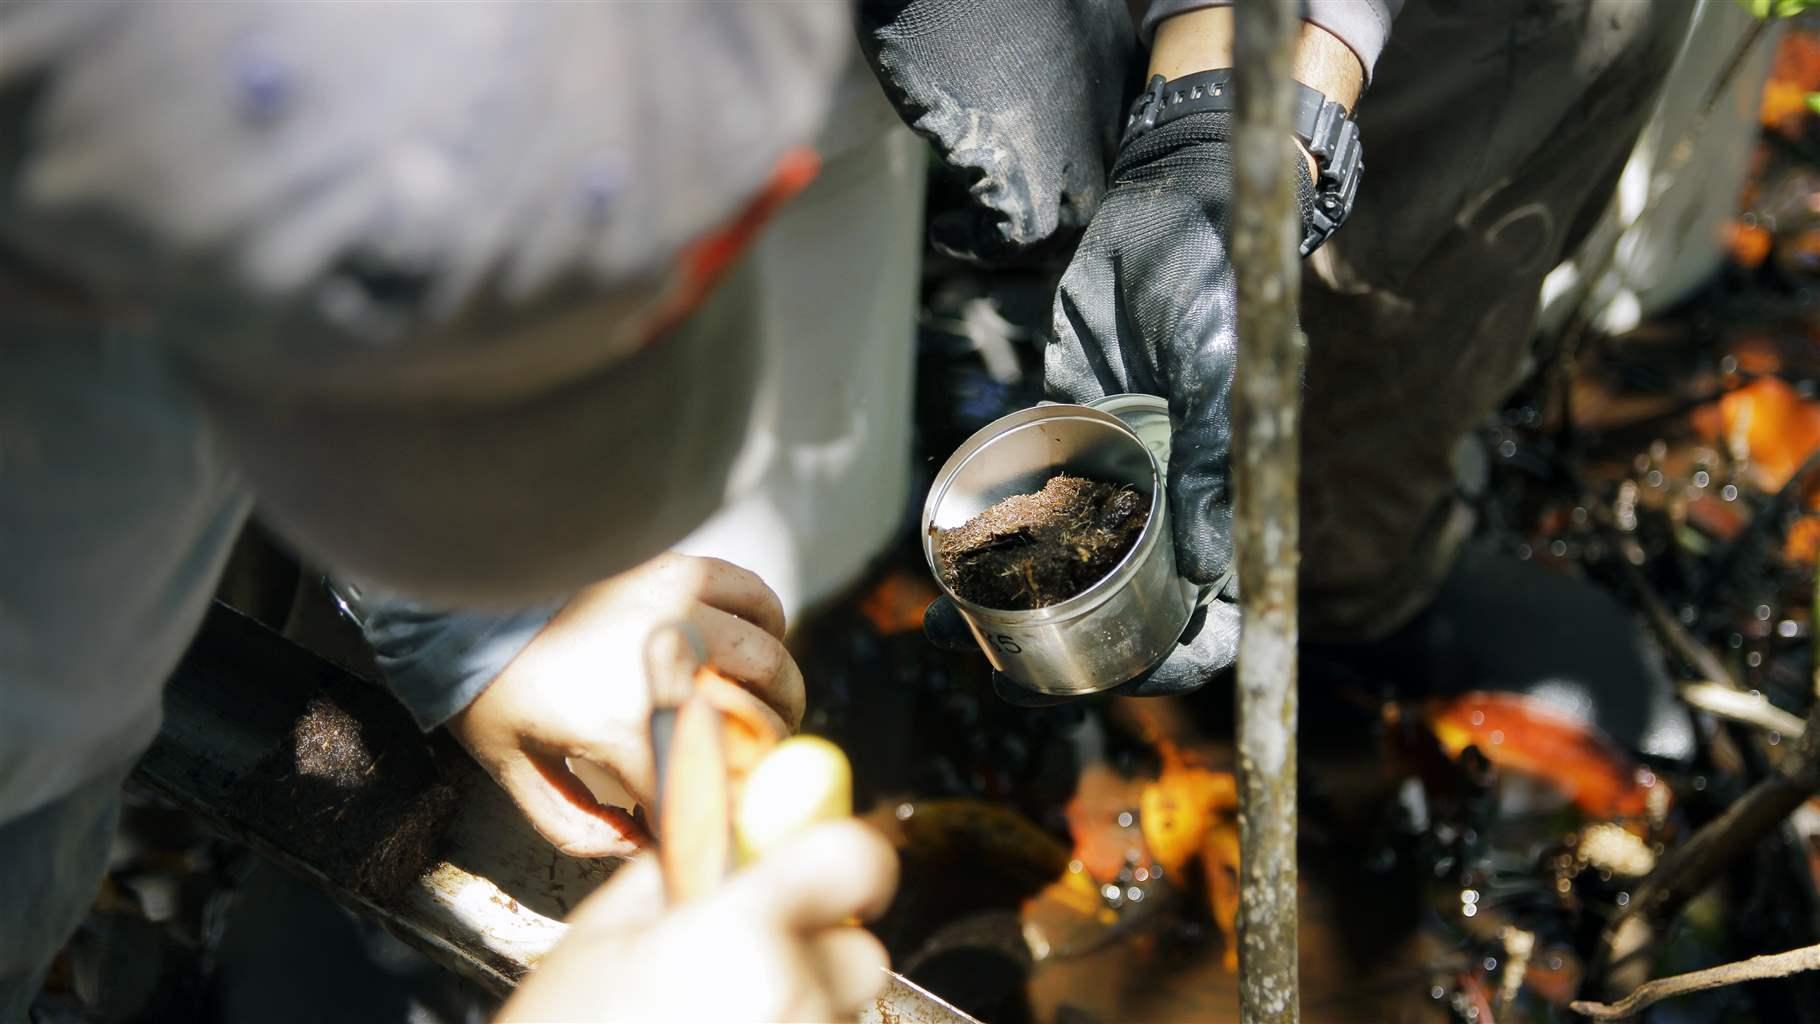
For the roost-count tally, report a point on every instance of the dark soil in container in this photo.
(1035, 550)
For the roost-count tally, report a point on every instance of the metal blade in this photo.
(905, 1002)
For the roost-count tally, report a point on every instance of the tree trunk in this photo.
(1267, 414)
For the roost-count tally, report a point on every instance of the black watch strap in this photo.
(1320, 123)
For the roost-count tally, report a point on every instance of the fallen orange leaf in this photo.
(1520, 734)
(1181, 806)
(1776, 428)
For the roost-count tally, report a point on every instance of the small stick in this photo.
(1757, 968)
(1753, 709)
(1688, 869)
(1664, 621)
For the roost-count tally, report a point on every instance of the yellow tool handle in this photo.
(803, 781)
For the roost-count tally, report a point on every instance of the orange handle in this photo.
(695, 848)
(720, 733)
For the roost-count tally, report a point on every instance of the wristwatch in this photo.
(1320, 123)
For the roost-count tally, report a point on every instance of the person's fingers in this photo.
(1086, 325)
(1200, 504)
(851, 962)
(754, 658)
(632, 898)
(564, 812)
(828, 875)
(737, 702)
(1198, 389)
(944, 627)
(753, 728)
(750, 728)
(971, 235)
(736, 591)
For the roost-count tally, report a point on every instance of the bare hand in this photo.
(773, 944)
(578, 690)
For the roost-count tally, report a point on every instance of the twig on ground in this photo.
(1747, 708)
(1688, 869)
(1757, 968)
(1664, 621)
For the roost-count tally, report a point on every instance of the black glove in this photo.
(1147, 305)
(1023, 97)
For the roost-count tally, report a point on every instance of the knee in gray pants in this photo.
(52, 860)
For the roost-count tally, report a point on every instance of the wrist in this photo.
(1203, 102)
(1201, 40)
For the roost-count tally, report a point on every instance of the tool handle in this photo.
(803, 781)
(694, 838)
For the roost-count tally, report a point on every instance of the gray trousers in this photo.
(1494, 135)
(53, 860)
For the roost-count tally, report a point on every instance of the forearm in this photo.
(1201, 40)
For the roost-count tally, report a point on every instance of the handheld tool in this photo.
(728, 786)
(693, 786)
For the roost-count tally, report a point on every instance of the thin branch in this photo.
(1757, 968)
(1687, 870)
(1747, 708)
(1266, 531)
(1664, 621)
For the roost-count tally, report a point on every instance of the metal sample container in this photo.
(1120, 626)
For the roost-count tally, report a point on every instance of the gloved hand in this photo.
(1147, 305)
(1023, 97)
(774, 943)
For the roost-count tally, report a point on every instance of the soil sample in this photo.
(1034, 550)
(369, 810)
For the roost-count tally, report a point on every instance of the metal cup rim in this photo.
(1102, 590)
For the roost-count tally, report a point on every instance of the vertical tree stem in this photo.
(1266, 419)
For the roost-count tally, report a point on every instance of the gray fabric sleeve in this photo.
(437, 662)
(1363, 25)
